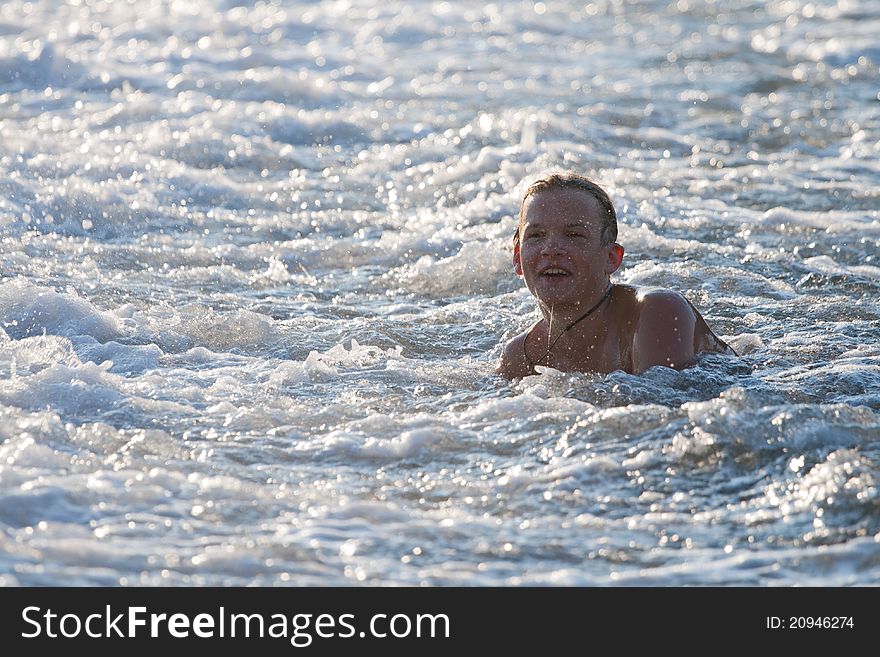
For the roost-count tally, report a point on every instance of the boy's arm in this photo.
(513, 363)
(665, 332)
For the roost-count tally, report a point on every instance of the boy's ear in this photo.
(615, 258)
(517, 263)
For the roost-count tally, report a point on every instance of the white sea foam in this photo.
(29, 310)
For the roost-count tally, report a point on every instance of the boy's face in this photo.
(561, 256)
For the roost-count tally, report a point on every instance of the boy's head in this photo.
(565, 247)
(572, 181)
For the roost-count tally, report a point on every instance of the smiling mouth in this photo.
(554, 272)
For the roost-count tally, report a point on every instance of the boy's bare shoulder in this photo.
(666, 304)
(666, 327)
(513, 359)
(662, 303)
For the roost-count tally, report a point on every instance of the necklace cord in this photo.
(565, 330)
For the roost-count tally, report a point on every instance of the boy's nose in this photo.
(553, 246)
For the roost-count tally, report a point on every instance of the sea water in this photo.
(255, 277)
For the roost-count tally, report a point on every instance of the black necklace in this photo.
(565, 330)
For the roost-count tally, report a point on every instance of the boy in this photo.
(565, 250)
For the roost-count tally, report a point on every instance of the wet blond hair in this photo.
(573, 181)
